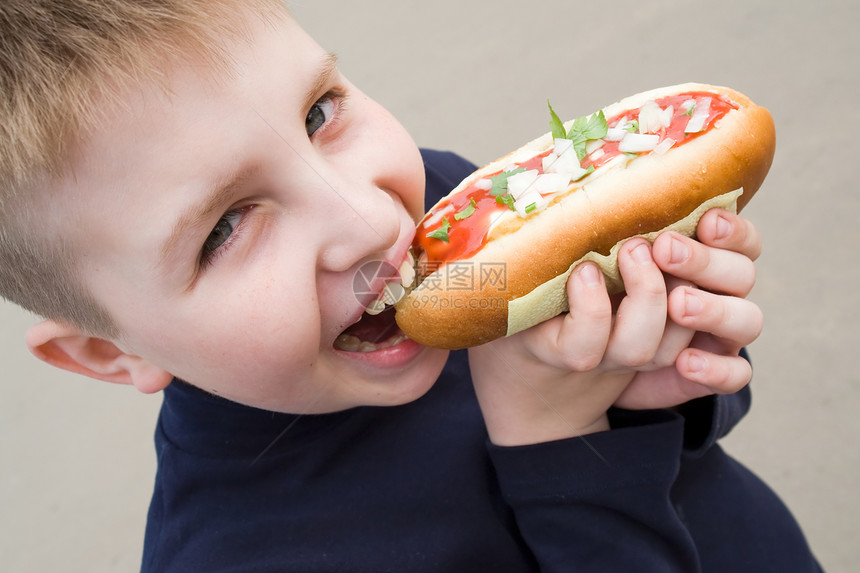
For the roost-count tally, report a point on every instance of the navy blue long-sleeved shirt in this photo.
(418, 487)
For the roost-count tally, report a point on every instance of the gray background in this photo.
(473, 77)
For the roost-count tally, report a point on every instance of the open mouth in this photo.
(371, 333)
(377, 329)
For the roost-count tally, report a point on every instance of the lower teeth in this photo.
(351, 343)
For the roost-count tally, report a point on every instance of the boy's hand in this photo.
(557, 379)
(715, 318)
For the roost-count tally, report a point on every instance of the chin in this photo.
(411, 384)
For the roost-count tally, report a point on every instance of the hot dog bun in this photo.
(630, 196)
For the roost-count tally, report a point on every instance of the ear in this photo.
(68, 348)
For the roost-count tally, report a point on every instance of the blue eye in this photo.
(222, 232)
(319, 114)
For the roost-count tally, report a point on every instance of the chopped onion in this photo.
(578, 174)
(664, 146)
(562, 146)
(666, 116)
(700, 115)
(650, 120)
(638, 142)
(511, 167)
(598, 153)
(696, 123)
(593, 144)
(688, 105)
(620, 123)
(567, 163)
(521, 182)
(615, 134)
(484, 184)
(547, 183)
(521, 204)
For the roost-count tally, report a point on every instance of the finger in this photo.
(578, 339)
(712, 268)
(675, 339)
(660, 389)
(641, 317)
(726, 230)
(730, 318)
(720, 374)
(675, 336)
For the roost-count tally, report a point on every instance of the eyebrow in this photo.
(222, 193)
(328, 68)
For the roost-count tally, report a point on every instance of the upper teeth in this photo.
(375, 307)
(407, 271)
(392, 293)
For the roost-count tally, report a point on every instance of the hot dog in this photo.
(493, 256)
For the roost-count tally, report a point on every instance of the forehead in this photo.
(161, 143)
(146, 126)
(271, 53)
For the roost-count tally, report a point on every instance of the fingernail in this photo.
(589, 275)
(724, 227)
(692, 305)
(641, 254)
(696, 363)
(678, 252)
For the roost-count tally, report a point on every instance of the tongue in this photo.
(376, 328)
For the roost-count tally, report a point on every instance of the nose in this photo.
(363, 220)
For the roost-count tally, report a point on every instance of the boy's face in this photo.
(223, 224)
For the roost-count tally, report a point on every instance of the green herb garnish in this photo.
(499, 190)
(531, 207)
(500, 181)
(588, 171)
(632, 126)
(466, 212)
(555, 124)
(692, 107)
(583, 129)
(506, 199)
(442, 232)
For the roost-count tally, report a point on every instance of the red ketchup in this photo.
(467, 235)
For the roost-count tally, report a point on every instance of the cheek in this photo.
(264, 326)
(251, 336)
(247, 361)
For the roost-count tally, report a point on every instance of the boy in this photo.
(189, 190)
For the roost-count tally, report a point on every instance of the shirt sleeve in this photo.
(444, 171)
(711, 418)
(601, 502)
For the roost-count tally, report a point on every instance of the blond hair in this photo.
(57, 58)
